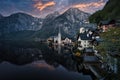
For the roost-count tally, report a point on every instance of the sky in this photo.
(41, 8)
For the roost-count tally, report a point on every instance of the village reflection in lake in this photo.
(36, 61)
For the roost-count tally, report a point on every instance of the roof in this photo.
(107, 22)
(90, 59)
(104, 22)
(99, 39)
(91, 28)
(85, 36)
(89, 49)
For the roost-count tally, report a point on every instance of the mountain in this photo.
(69, 22)
(110, 11)
(50, 17)
(15, 25)
(20, 22)
(24, 26)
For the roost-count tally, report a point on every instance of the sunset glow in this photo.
(89, 6)
(42, 6)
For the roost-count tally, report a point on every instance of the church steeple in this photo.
(59, 36)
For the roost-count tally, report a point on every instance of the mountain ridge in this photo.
(110, 11)
(70, 21)
(19, 22)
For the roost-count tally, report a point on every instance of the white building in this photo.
(67, 41)
(84, 39)
(57, 39)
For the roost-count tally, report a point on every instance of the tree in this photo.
(111, 43)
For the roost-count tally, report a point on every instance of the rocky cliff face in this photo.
(20, 22)
(50, 17)
(69, 22)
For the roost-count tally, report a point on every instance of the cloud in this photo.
(44, 7)
(41, 6)
(90, 7)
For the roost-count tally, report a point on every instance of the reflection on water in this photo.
(59, 49)
(35, 61)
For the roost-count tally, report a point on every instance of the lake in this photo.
(35, 61)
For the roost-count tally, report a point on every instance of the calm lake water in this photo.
(35, 61)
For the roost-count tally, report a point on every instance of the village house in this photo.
(93, 60)
(84, 39)
(67, 41)
(105, 25)
(88, 37)
(89, 51)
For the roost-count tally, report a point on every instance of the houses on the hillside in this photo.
(87, 38)
(106, 25)
(84, 40)
(58, 40)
